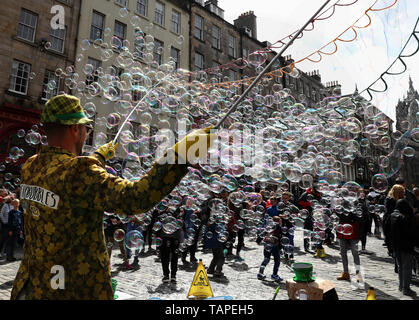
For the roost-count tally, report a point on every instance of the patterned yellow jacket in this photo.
(64, 198)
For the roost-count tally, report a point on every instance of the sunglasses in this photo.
(89, 129)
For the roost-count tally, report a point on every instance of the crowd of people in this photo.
(392, 214)
(200, 227)
(103, 209)
(12, 231)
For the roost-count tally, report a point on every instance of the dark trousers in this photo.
(275, 252)
(10, 245)
(3, 237)
(374, 217)
(109, 246)
(405, 265)
(240, 239)
(217, 261)
(192, 248)
(169, 255)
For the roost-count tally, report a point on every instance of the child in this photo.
(272, 247)
(15, 229)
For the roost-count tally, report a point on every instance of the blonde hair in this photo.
(397, 192)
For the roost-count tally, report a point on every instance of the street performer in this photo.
(64, 195)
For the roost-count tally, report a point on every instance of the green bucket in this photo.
(303, 272)
(114, 284)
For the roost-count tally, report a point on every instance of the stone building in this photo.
(38, 37)
(219, 47)
(106, 29)
(407, 118)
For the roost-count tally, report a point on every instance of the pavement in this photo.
(240, 281)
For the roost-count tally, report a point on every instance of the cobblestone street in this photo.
(241, 283)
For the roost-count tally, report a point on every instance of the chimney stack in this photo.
(247, 20)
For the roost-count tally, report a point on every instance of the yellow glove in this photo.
(107, 151)
(195, 145)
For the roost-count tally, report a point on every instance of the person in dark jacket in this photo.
(363, 221)
(403, 243)
(15, 229)
(272, 247)
(213, 240)
(397, 192)
(348, 240)
(305, 202)
(112, 223)
(410, 196)
(171, 234)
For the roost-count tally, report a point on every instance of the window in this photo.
(19, 78)
(217, 71)
(158, 51)
(27, 25)
(216, 37)
(93, 77)
(98, 23)
(199, 28)
(51, 85)
(142, 7)
(199, 61)
(175, 21)
(175, 54)
(232, 75)
(159, 13)
(58, 40)
(122, 3)
(139, 45)
(231, 46)
(120, 32)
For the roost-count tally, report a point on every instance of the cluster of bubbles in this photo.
(288, 140)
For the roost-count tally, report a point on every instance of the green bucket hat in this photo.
(64, 109)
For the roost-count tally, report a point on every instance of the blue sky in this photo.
(359, 62)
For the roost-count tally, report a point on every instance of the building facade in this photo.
(37, 48)
(407, 118)
(117, 36)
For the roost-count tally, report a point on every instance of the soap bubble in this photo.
(119, 235)
(134, 239)
(379, 183)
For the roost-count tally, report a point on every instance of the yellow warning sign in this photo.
(200, 287)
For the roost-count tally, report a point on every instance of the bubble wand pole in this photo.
(136, 106)
(240, 99)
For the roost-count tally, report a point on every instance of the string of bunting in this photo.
(278, 44)
(289, 69)
(414, 34)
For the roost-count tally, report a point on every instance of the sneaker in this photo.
(165, 279)
(11, 259)
(135, 262)
(128, 266)
(344, 276)
(261, 276)
(275, 277)
(238, 259)
(409, 292)
(173, 279)
(210, 271)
